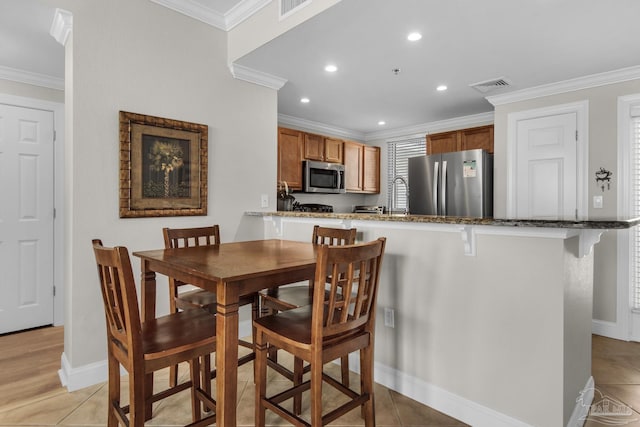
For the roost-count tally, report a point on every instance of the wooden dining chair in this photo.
(199, 298)
(328, 329)
(144, 347)
(289, 297)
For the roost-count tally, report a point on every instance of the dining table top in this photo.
(236, 260)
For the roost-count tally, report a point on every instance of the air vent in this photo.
(489, 85)
(288, 7)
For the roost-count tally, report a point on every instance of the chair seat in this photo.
(199, 298)
(286, 298)
(294, 325)
(171, 334)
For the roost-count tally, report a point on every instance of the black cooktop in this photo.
(313, 207)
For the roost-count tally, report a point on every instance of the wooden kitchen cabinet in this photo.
(479, 137)
(322, 148)
(290, 145)
(333, 149)
(313, 147)
(459, 140)
(362, 167)
(352, 166)
(371, 172)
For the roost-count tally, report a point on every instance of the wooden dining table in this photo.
(230, 270)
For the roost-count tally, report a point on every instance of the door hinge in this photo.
(55, 135)
(54, 291)
(576, 135)
(54, 213)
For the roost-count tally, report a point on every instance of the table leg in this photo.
(148, 295)
(226, 355)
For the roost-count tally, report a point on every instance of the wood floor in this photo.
(29, 363)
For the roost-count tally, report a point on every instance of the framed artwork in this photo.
(163, 167)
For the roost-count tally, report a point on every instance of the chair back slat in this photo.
(187, 237)
(355, 269)
(333, 236)
(119, 297)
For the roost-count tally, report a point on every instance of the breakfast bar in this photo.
(487, 320)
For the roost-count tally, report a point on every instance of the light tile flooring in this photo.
(87, 407)
(615, 368)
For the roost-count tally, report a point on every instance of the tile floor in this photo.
(87, 407)
(615, 367)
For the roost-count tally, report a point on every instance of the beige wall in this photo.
(137, 56)
(603, 152)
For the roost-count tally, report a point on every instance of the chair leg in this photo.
(298, 372)
(114, 391)
(205, 372)
(196, 372)
(316, 389)
(173, 376)
(255, 313)
(344, 368)
(260, 378)
(138, 403)
(366, 385)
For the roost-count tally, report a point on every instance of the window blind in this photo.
(398, 165)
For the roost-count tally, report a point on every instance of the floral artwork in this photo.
(166, 167)
(163, 167)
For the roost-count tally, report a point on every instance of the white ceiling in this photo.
(531, 43)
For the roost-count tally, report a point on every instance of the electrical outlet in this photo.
(389, 317)
(597, 202)
(264, 201)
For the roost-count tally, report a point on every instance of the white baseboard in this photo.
(437, 398)
(609, 330)
(583, 403)
(84, 376)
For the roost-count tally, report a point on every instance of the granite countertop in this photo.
(611, 224)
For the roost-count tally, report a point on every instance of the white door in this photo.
(546, 167)
(26, 218)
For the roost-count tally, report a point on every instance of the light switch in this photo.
(597, 202)
(264, 201)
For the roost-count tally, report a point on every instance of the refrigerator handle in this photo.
(436, 172)
(443, 188)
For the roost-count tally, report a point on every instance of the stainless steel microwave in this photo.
(322, 177)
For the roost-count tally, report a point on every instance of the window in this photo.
(398, 165)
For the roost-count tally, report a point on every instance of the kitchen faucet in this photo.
(393, 193)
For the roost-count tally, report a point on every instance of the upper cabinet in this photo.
(322, 148)
(362, 167)
(459, 140)
(290, 144)
(361, 161)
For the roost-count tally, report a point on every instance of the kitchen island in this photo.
(487, 320)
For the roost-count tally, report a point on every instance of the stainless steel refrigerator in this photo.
(452, 184)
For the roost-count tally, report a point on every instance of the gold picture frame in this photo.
(163, 167)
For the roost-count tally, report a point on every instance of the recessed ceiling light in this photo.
(331, 68)
(382, 123)
(414, 37)
(304, 100)
(441, 88)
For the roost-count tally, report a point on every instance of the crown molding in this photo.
(242, 11)
(250, 75)
(317, 127)
(432, 127)
(222, 21)
(31, 78)
(580, 83)
(61, 26)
